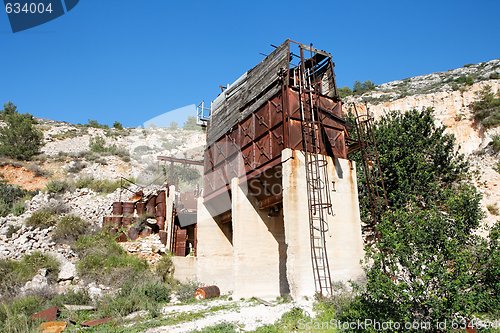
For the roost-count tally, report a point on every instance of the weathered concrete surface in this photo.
(257, 240)
(344, 240)
(295, 213)
(185, 268)
(215, 252)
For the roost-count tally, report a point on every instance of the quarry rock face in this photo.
(451, 102)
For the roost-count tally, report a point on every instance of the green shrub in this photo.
(185, 291)
(495, 144)
(487, 108)
(98, 185)
(493, 209)
(42, 219)
(467, 80)
(18, 207)
(69, 229)
(140, 292)
(15, 315)
(57, 186)
(231, 328)
(103, 260)
(165, 268)
(12, 230)
(11, 195)
(360, 88)
(289, 322)
(80, 297)
(19, 139)
(117, 125)
(97, 144)
(14, 274)
(96, 124)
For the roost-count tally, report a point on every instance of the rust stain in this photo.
(53, 327)
(92, 323)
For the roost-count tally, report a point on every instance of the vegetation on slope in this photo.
(19, 138)
(428, 265)
(487, 108)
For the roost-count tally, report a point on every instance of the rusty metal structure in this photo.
(366, 145)
(261, 114)
(289, 100)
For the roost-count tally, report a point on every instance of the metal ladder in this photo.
(318, 190)
(375, 186)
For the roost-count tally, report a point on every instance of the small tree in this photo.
(19, 138)
(117, 125)
(427, 265)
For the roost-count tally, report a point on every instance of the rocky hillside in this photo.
(73, 183)
(451, 95)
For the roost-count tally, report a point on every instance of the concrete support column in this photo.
(344, 239)
(256, 245)
(215, 252)
(296, 219)
(344, 242)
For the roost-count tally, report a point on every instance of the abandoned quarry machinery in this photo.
(289, 100)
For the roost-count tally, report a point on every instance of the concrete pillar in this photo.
(296, 219)
(214, 252)
(343, 240)
(257, 241)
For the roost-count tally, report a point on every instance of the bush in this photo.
(11, 196)
(165, 268)
(105, 261)
(15, 315)
(43, 219)
(69, 229)
(80, 297)
(19, 139)
(344, 92)
(142, 292)
(98, 185)
(14, 274)
(427, 264)
(495, 144)
(493, 209)
(185, 291)
(97, 144)
(117, 125)
(96, 124)
(360, 88)
(487, 108)
(57, 186)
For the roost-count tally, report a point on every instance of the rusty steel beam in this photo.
(180, 160)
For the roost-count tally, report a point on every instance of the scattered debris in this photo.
(49, 314)
(207, 292)
(79, 307)
(92, 323)
(53, 326)
(266, 303)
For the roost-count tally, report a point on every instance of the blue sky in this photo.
(133, 60)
